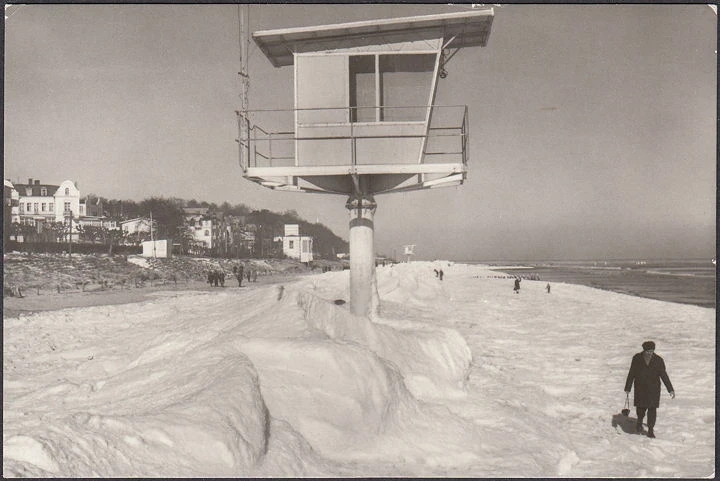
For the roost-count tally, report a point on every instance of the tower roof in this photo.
(469, 28)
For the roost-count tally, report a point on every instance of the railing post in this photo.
(242, 158)
(465, 136)
(353, 144)
(247, 141)
(254, 143)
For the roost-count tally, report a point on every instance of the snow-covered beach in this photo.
(458, 377)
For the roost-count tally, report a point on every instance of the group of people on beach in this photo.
(216, 277)
(239, 271)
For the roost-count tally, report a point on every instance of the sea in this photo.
(682, 281)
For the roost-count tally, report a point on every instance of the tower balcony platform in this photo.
(327, 150)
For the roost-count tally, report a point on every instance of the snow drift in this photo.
(187, 385)
(454, 377)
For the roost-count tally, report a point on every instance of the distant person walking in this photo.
(239, 275)
(441, 274)
(516, 288)
(254, 274)
(548, 288)
(646, 371)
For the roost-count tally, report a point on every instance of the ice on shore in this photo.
(458, 377)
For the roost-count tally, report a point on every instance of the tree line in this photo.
(169, 217)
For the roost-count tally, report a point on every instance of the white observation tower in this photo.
(364, 121)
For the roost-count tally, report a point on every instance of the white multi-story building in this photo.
(39, 203)
(200, 224)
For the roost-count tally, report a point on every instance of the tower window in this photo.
(392, 87)
(363, 98)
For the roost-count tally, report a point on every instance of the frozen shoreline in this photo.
(458, 377)
(690, 283)
(31, 303)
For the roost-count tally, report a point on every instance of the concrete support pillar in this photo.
(362, 254)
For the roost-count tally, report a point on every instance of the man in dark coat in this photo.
(646, 371)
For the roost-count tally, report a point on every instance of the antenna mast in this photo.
(244, 39)
(243, 120)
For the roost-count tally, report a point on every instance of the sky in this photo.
(592, 127)
(458, 378)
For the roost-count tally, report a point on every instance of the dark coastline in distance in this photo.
(682, 281)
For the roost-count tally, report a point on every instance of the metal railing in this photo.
(440, 131)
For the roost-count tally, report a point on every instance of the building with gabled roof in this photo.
(40, 203)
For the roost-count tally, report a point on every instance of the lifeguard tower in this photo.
(364, 121)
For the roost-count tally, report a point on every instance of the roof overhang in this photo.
(466, 29)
